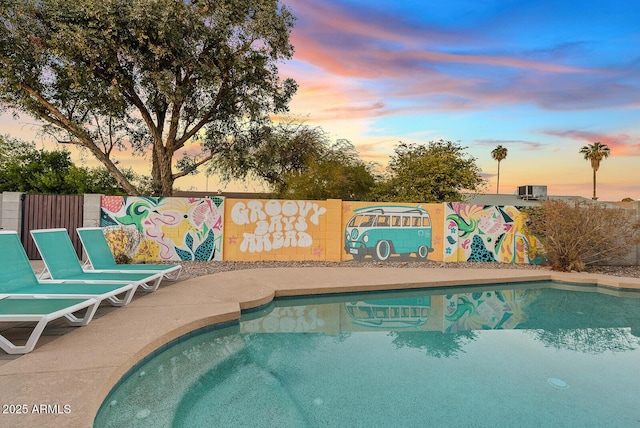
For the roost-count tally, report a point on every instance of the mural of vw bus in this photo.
(391, 313)
(383, 231)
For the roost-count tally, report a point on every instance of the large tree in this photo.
(595, 153)
(436, 172)
(499, 154)
(153, 77)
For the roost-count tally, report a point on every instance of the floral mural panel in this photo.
(488, 233)
(164, 229)
(486, 310)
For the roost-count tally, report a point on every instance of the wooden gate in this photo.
(48, 212)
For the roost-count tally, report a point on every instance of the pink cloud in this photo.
(347, 42)
(431, 68)
(620, 144)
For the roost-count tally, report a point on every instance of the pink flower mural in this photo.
(172, 228)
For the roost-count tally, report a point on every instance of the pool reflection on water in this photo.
(543, 354)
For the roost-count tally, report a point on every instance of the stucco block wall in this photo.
(91, 210)
(334, 239)
(11, 211)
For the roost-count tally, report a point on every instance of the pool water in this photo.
(549, 354)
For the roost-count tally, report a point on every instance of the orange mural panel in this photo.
(270, 229)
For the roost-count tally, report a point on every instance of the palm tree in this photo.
(595, 153)
(499, 154)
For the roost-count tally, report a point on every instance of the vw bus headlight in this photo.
(365, 238)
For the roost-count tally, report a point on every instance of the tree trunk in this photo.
(595, 198)
(498, 184)
(166, 176)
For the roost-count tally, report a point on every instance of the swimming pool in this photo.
(543, 354)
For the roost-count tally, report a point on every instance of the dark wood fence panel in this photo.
(48, 212)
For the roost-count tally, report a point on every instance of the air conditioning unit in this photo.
(532, 192)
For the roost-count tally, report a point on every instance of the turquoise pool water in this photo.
(544, 354)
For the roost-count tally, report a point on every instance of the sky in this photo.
(541, 78)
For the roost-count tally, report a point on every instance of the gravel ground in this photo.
(193, 269)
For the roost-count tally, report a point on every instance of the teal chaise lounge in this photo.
(62, 263)
(24, 298)
(101, 259)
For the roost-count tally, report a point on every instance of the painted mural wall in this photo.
(488, 233)
(269, 229)
(165, 229)
(392, 232)
(486, 310)
(446, 313)
(212, 228)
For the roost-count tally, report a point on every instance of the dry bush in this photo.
(576, 234)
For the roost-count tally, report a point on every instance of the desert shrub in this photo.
(576, 234)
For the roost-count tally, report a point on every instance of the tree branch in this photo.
(196, 165)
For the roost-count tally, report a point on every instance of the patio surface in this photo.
(75, 368)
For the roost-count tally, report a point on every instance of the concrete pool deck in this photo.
(63, 382)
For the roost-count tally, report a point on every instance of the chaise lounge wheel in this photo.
(383, 250)
(422, 252)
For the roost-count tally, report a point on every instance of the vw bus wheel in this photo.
(358, 257)
(422, 252)
(383, 250)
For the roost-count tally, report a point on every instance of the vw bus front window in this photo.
(355, 221)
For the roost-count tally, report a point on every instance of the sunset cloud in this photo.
(435, 65)
(620, 144)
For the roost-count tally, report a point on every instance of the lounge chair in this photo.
(25, 299)
(62, 263)
(101, 258)
(41, 310)
(17, 279)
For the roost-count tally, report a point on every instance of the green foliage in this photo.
(577, 234)
(436, 172)
(594, 153)
(499, 153)
(269, 153)
(336, 172)
(147, 76)
(297, 162)
(23, 168)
